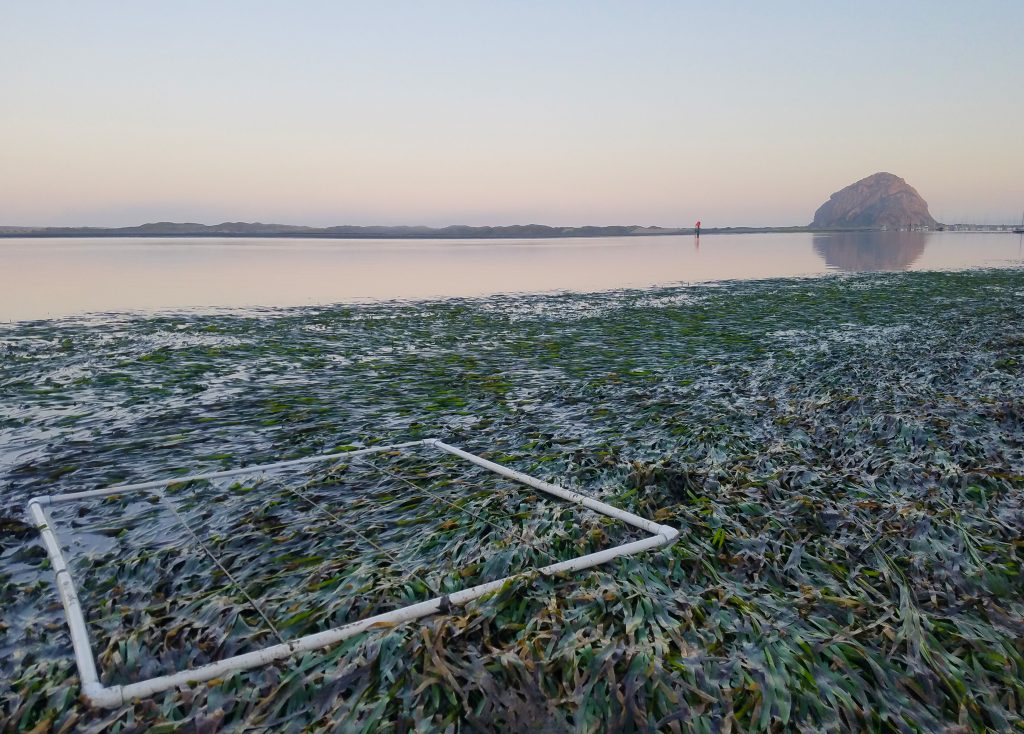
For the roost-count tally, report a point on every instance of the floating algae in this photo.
(844, 456)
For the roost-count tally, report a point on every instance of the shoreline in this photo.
(441, 234)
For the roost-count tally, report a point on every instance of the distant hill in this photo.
(258, 229)
(223, 228)
(880, 200)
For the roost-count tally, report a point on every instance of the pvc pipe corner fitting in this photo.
(669, 533)
(103, 697)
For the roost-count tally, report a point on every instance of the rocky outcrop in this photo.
(880, 200)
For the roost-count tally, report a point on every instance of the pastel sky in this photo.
(557, 111)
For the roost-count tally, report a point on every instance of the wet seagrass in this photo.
(845, 466)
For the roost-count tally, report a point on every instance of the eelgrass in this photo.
(843, 456)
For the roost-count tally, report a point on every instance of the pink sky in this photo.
(593, 113)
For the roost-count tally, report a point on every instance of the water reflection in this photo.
(51, 277)
(870, 251)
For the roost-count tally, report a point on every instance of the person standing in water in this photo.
(696, 228)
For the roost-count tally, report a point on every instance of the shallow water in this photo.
(49, 278)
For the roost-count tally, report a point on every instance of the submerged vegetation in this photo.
(843, 456)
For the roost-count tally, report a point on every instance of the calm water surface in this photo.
(47, 278)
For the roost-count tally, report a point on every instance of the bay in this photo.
(54, 278)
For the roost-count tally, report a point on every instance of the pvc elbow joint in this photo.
(103, 697)
(669, 533)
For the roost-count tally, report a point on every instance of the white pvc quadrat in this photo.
(112, 696)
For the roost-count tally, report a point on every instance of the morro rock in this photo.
(880, 200)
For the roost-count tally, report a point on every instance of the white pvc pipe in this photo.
(254, 469)
(72, 607)
(119, 695)
(99, 695)
(669, 533)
